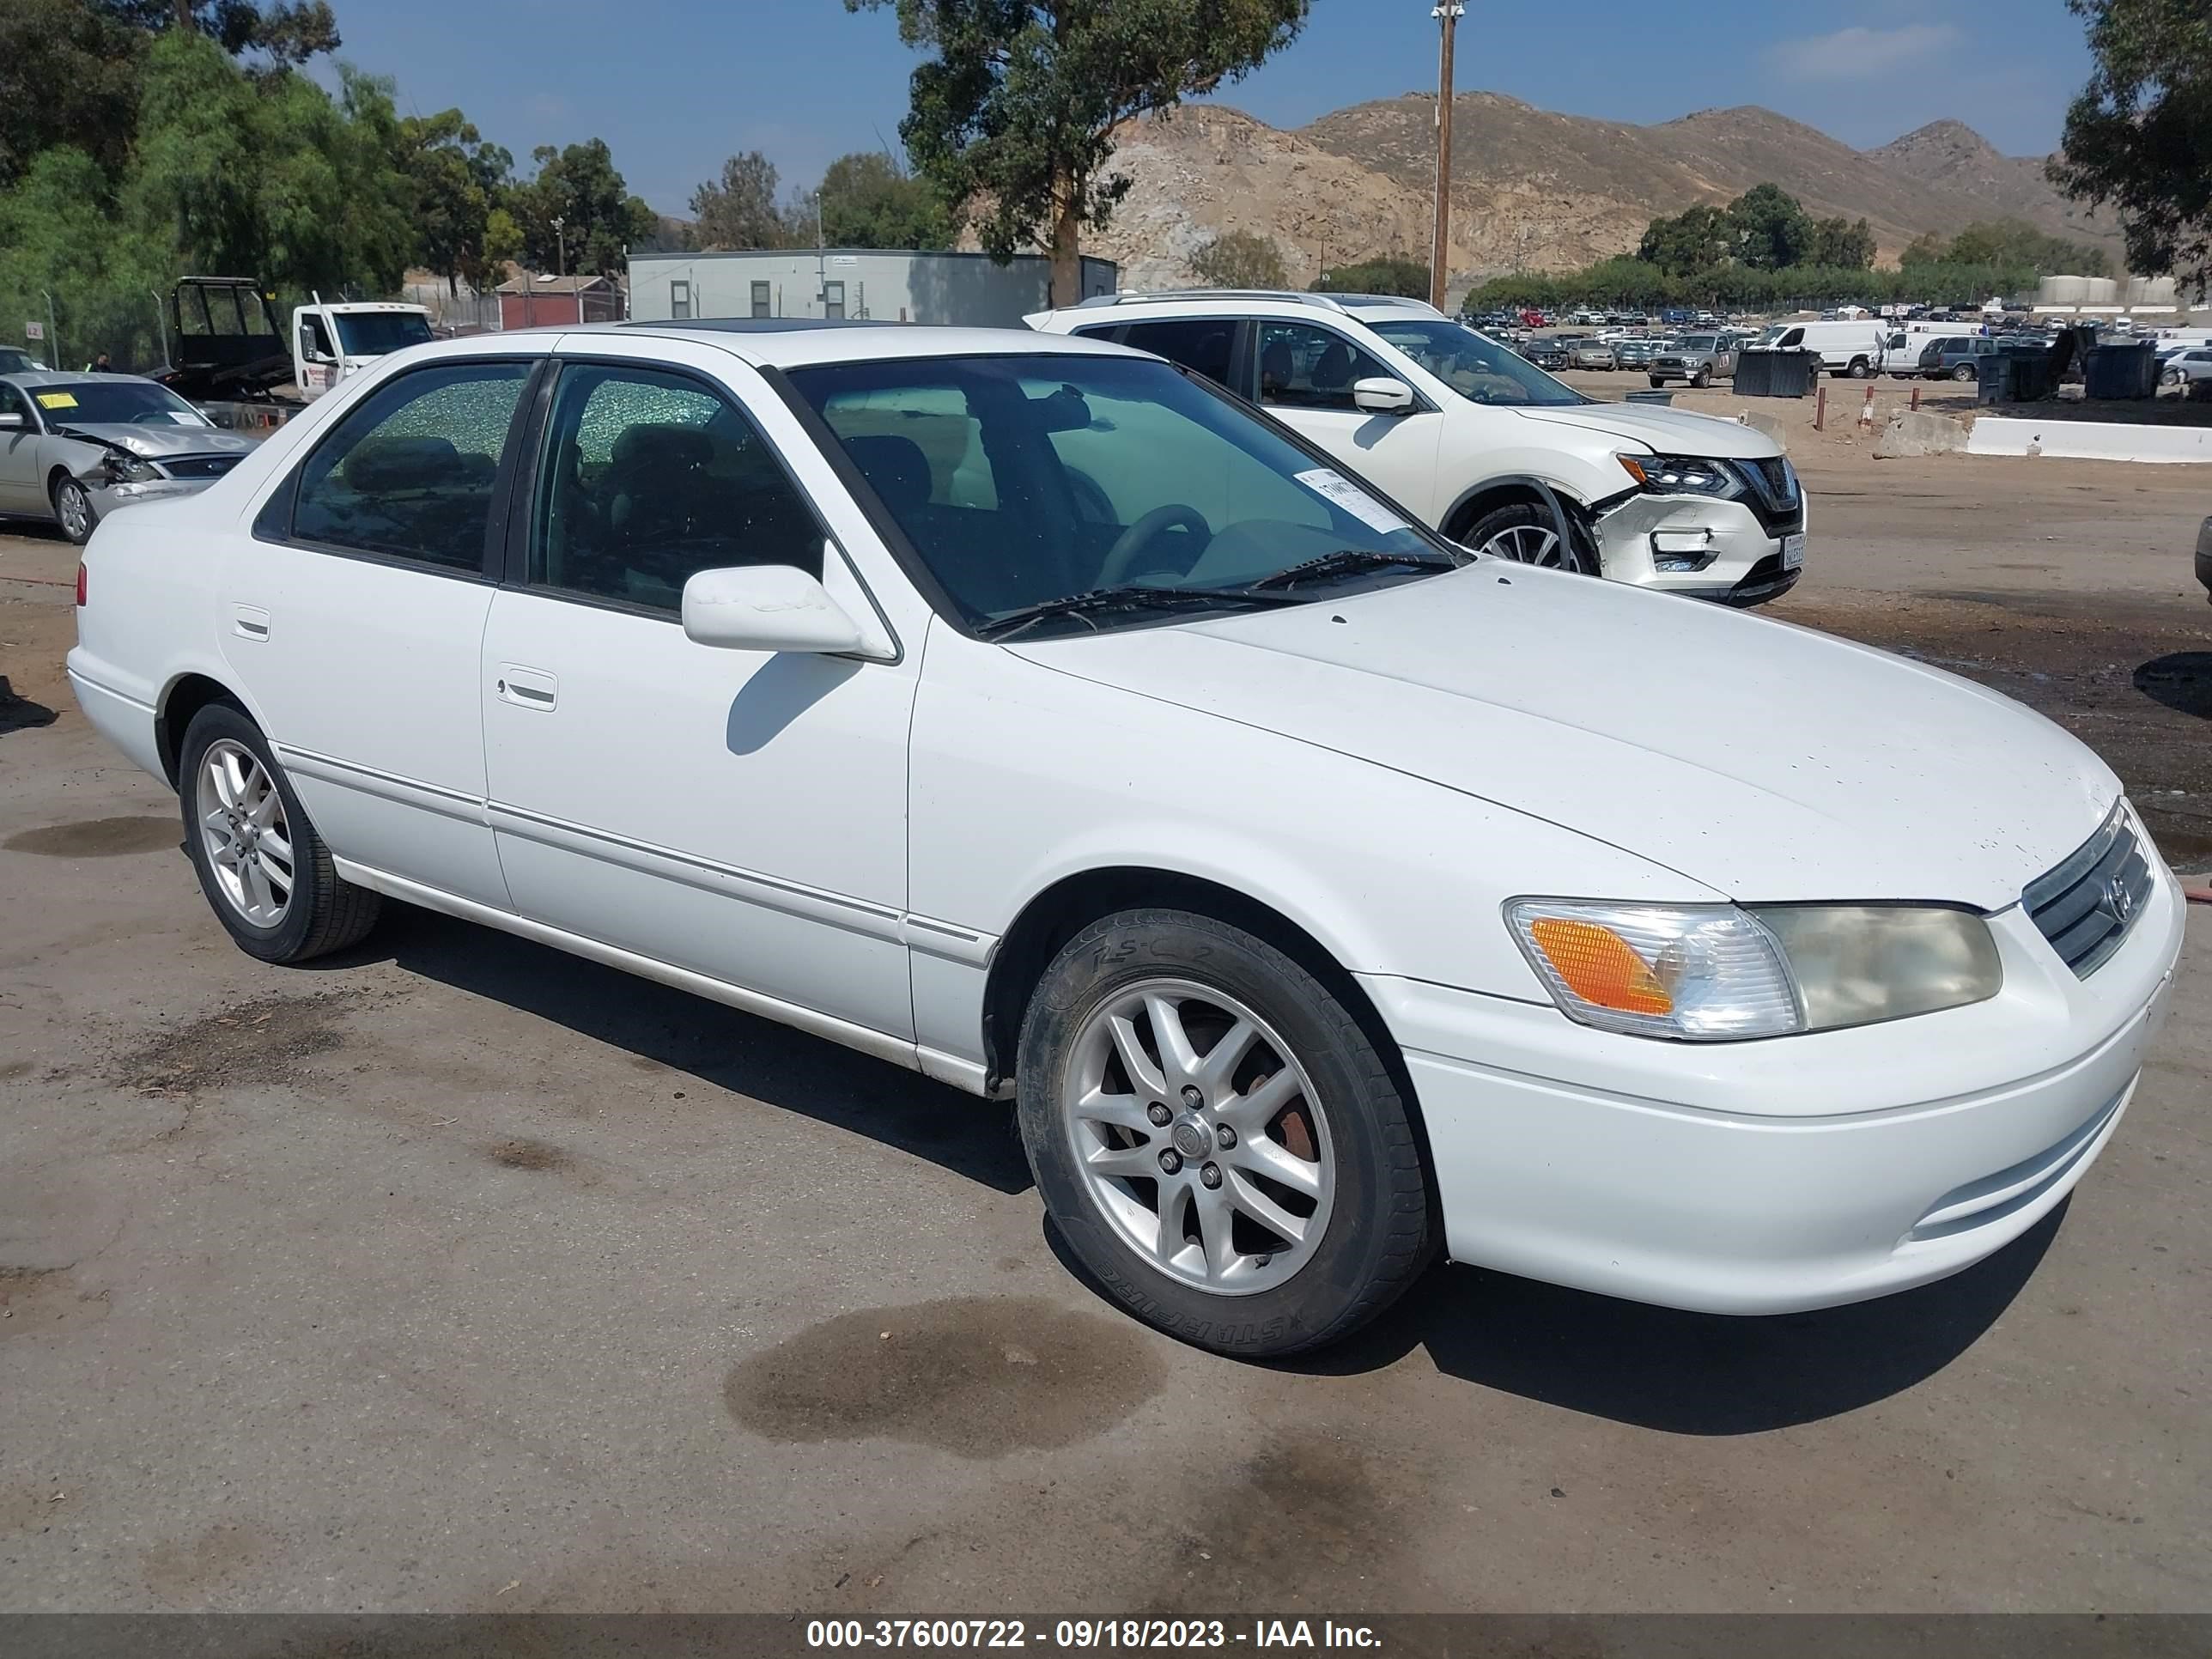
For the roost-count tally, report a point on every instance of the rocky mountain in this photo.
(1531, 189)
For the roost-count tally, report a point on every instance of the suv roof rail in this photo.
(1288, 296)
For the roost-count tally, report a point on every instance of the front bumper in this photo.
(1733, 554)
(1787, 1175)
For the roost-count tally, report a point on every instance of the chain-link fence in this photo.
(78, 326)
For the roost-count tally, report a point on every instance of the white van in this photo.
(1858, 349)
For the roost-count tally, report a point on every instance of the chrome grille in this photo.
(200, 466)
(2086, 903)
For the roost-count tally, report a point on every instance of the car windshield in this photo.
(373, 333)
(1473, 365)
(113, 401)
(1024, 480)
(1698, 342)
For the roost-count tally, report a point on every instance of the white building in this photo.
(887, 285)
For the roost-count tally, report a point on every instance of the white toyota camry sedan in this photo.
(1027, 712)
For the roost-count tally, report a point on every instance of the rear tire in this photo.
(1283, 1203)
(267, 875)
(1964, 371)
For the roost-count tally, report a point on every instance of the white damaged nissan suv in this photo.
(1482, 444)
(1032, 716)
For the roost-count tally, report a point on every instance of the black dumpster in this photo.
(2120, 371)
(1761, 373)
(2014, 377)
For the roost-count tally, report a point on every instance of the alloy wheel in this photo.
(244, 830)
(73, 508)
(1200, 1137)
(1529, 543)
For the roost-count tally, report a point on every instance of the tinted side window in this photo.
(1305, 367)
(408, 472)
(649, 478)
(1203, 346)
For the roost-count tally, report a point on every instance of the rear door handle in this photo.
(526, 688)
(249, 621)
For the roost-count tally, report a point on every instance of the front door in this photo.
(354, 611)
(1306, 375)
(21, 489)
(738, 814)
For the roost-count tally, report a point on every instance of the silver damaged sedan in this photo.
(75, 448)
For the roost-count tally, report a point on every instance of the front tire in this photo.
(267, 875)
(1860, 369)
(1700, 380)
(1217, 1138)
(73, 509)
(1526, 534)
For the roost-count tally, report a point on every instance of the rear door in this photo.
(354, 611)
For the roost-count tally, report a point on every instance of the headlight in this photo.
(1682, 475)
(1715, 973)
(129, 469)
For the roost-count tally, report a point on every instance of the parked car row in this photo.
(1040, 715)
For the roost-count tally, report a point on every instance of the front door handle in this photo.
(526, 688)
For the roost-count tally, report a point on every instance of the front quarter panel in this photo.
(1024, 775)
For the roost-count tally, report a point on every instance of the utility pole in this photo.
(561, 243)
(1448, 13)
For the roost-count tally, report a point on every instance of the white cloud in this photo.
(1858, 54)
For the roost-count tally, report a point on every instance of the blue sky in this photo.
(674, 87)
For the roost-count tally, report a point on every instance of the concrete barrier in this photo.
(2090, 440)
(1920, 432)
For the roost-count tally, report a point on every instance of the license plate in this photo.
(1793, 552)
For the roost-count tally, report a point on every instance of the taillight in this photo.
(80, 581)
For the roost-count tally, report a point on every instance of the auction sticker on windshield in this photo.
(56, 400)
(1335, 487)
(1793, 550)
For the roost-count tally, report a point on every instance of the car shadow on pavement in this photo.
(1686, 1373)
(810, 1076)
(2181, 680)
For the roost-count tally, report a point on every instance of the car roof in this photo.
(1286, 302)
(796, 343)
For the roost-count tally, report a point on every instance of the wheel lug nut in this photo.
(1226, 1136)
(1158, 1113)
(1170, 1160)
(1262, 1260)
(1191, 1098)
(1211, 1175)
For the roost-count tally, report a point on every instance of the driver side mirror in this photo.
(1382, 396)
(767, 607)
(11, 421)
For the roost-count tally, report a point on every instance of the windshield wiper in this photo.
(1347, 561)
(1130, 597)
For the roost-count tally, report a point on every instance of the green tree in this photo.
(1926, 249)
(1841, 243)
(1772, 231)
(1390, 274)
(1012, 112)
(1693, 239)
(68, 75)
(579, 186)
(2013, 242)
(287, 32)
(1240, 258)
(456, 179)
(58, 237)
(869, 200)
(739, 209)
(2136, 134)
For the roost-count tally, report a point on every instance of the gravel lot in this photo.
(456, 1274)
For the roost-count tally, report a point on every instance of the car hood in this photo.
(158, 442)
(1764, 762)
(1664, 431)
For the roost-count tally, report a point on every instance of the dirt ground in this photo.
(454, 1274)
